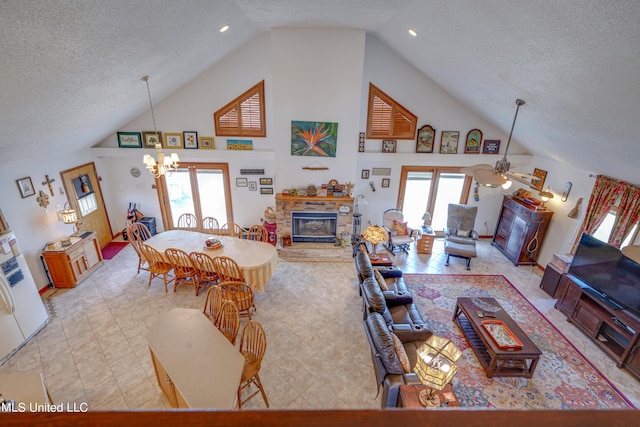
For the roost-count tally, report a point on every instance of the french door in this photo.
(431, 189)
(201, 189)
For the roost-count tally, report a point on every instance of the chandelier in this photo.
(165, 165)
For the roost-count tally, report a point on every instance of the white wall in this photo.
(317, 76)
(33, 225)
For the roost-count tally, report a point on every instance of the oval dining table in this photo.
(257, 260)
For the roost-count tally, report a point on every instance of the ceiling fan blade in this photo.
(489, 177)
(522, 175)
(469, 170)
(519, 179)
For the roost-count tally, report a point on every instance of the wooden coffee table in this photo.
(497, 361)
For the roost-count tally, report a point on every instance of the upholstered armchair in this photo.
(400, 235)
(460, 222)
(460, 237)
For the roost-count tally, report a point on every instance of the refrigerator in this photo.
(22, 312)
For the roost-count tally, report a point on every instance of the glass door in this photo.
(201, 189)
(430, 189)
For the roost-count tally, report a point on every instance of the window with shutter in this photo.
(244, 116)
(388, 119)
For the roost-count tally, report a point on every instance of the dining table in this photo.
(257, 260)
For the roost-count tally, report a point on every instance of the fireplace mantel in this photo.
(293, 199)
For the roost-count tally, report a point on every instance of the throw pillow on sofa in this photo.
(401, 353)
(381, 281)
(381, 337)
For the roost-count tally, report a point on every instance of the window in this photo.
(603, 232)
(244, 116)
(198, 188)
(388, 119)
(430, 189)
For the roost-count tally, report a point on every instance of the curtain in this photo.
(626, 215)
(604, 194)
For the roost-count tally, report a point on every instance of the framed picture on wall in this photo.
(207, 143)
(242, 182)
(538, 183)
(491, 146)
(253, 185)
(385, 182)
(151, 138)
(424, 141)
(474, 141)
(449, 142)
(26, 187)
(364, 174)
(190, 139)
(389, 146)
(129, 140)
(172, 140)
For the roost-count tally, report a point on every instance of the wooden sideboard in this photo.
(521, 230)
(70, 265)
(615, 331)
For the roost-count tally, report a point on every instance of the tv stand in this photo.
(615, 330)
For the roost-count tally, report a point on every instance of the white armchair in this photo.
(400, 235)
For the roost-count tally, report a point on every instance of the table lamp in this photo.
(425, 225)
(545, 196)
(374, 234)
(436, 364)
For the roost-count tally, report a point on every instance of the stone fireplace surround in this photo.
(302, 251)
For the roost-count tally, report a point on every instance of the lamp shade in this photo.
(69, 216)
(426, 216)
(437, 362)
(545, 195)
(375, 234)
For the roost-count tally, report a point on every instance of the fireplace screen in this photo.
(314, 226)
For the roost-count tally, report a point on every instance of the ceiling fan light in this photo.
(507, 184)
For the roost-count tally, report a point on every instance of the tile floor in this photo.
(94, 349)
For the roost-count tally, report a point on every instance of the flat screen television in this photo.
(612, 277)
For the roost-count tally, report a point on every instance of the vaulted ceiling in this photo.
(71, 70)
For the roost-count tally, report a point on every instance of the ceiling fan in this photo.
(490, 176)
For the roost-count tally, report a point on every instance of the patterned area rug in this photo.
(563, 379)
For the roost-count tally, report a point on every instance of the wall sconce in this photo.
(69, 216)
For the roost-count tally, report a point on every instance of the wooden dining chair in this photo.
(241, 293)
(231, 229)
(137, 233)
(258, 233)
(253, 344)
(157, 266)
(206, 270)
(228, 321)
(210, 225)
(183, 268)
(188, 221)
(227, 269)
(213, 303)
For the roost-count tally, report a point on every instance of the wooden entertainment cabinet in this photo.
(616, 331)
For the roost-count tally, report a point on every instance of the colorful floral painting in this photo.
(314, 138)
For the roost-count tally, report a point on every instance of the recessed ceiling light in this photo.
(224, 28)
(413, 32)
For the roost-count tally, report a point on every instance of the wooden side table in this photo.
(425, 243)
(408, 397)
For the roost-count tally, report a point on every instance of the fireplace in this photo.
(318, 227)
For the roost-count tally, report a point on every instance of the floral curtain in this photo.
(627, 215)
(605, 192)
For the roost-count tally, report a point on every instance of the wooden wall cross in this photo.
(49, 182)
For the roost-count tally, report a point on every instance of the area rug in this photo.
(112, 249)
(563, 379)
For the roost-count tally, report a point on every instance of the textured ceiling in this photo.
(71, 70)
